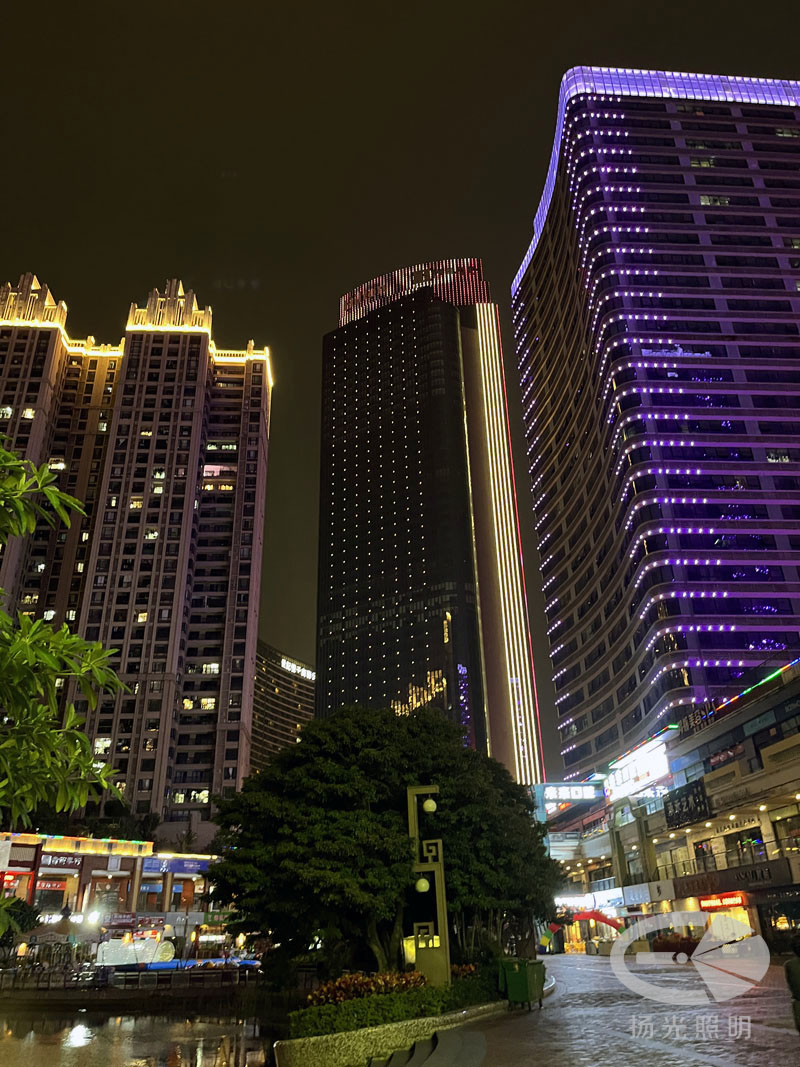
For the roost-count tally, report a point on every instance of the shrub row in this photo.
(378, 1008)
(353, 986)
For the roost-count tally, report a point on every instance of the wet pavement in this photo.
(592, 1020)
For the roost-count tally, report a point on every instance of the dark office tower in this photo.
(283, 702)
(656, 325)
(421, 596)
(165, 437)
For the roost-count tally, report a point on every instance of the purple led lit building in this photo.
(657, 330)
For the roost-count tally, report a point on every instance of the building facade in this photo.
(656, 317)
(283, 702)
(164, 437)
(704, 817)
(421, 590)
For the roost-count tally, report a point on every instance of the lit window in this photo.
(210, 668)
(72, 615)
(208, 703)
(141, 616)
(198, 796)
(79, 568)
(57, 464)
(85, 535)
(179, 798)
(101, 745)
(158, 490)
(188, 704)
(150, 534)
(40, 567)
(146, 433)
(136, 503)
(226, 487)
(30, 598)
(28, 413)
(6, 413)
(49, 615)
(102, 427)
(159, 474)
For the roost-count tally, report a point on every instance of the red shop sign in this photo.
(723, 900)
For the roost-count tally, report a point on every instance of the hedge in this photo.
(395, 1007)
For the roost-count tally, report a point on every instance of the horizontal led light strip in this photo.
(655, 83)
(755, 685)
(522, 709)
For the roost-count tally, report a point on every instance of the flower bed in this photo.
(414, 1000)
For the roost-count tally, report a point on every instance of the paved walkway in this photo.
(591, 1020)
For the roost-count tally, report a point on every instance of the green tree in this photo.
(45, 757)
(21, 918)
(316, 845)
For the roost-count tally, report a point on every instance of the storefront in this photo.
(779, 916)
(590, 921)
(729, 910)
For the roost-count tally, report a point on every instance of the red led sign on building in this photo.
(723, 900)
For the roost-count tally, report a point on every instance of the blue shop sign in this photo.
(173, 865)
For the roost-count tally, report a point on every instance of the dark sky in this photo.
(274, 157)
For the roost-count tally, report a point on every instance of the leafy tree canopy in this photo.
(317, 843)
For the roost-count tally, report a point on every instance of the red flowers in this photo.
(353, 986)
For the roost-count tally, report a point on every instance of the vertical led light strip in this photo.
(522, 707)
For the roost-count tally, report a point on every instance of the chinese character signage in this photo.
(569, 792)
(686, 804)
(175, 864)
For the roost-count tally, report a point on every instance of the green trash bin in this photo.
(522, 981)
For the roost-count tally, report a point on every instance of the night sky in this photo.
(276, 157)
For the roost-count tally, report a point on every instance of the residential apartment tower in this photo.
(164, 437)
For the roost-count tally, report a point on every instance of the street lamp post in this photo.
(431, 941)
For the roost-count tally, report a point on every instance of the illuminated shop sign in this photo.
(560, 792)
(298, 668)
(639, 770)
(723, 900)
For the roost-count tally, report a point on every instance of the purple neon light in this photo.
(656, 83)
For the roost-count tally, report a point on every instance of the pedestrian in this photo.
(792, 971)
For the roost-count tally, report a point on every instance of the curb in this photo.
(357, 1046)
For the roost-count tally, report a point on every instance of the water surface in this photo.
(98, 1039)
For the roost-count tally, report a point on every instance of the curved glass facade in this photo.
(656, 328)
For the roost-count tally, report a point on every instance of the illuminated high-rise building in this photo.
(164, 436)
(421, 592)
(283, 702)
(657, 330)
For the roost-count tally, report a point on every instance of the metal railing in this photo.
(59, 980)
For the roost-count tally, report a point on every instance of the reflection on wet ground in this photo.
(95, 1039)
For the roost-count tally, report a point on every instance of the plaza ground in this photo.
(591, 1019)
